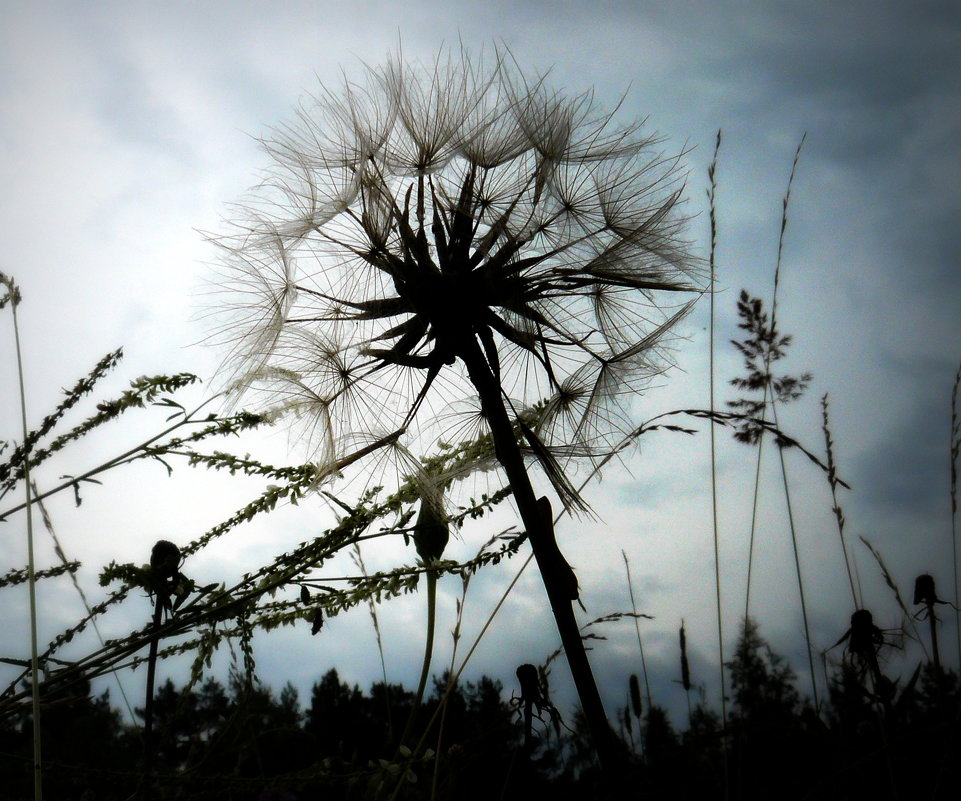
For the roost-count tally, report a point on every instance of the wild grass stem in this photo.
(13, 297)
(358, 559)
(785, 204)
(138, 452)
(955, 451)
(637, 629)
(849, 565)
(712, 205)
(787, 495)
(58, 549)
(797, 567)
(754, 508)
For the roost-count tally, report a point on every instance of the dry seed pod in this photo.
(317, 622)
(530, 684)
(165, 560)
(924, 592)
(865, 636)
(431, 532)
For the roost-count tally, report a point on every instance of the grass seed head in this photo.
(635, 690)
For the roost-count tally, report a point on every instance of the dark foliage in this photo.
(242, 741)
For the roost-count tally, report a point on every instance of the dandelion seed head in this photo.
(417, 208)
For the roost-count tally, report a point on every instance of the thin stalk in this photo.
(431, 576)
(637, 628)
(754, 505)
(955, 443)
(797, 566)
(555, 573)
(127, 456)
(838, 513)
(787, 495)
(359, 561)
(452, 680)
(935, 653)
(58, 548)
(34, 665)
(712, 171)
(780, 242)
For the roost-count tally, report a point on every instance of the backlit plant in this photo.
(446, 250)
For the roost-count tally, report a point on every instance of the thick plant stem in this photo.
(935, 653)
(540, 533)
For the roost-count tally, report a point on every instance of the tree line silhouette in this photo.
(241, 740)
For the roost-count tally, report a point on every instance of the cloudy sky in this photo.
(126, 129)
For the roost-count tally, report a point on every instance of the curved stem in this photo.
(129, 455)
(428, 652)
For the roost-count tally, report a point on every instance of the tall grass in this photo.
(850, 566)
(763, 346)
(13, 297)
(955, 452)
(712, 212)
(637, 630)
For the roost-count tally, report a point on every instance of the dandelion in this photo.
(432, 236)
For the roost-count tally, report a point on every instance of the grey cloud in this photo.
(909, 471)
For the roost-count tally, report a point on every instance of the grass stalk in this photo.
(431, 577)
(797, 567)
(431, 534)
(13, 297)
(148, 745)
(955, 450)
(358, 559)
(451, 683)
(754, 507)
(637, 629)
(712, 205)
(851, 568)
(58, 549)
(130, 455)
(785, 204)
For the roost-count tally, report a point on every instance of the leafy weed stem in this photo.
(141, 451)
